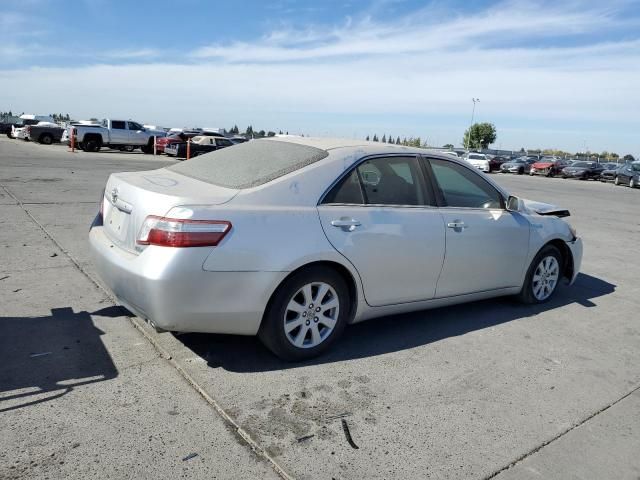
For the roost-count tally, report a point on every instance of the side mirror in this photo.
(513, 204)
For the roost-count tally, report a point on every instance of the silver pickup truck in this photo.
(118, 134)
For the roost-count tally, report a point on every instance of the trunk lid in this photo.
(130, 197)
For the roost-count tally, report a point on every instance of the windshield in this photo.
(476, 157)
(635, 167)
(581, 165)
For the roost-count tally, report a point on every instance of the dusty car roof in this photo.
(335, 143)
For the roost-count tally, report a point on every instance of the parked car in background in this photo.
(479, 160)
(520, 165)
(18, 130)
(629, 174)
(583, 170)
(7, 123)
(118, 134)
(548, 166)
(44, 132)
(449, 152)
(205, 245)
(198, 145)
(609, 172)
(238, 139)
(496, 162)
(178, 137)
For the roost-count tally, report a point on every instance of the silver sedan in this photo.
(294, 238)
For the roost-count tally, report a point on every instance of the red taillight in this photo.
(174, 232)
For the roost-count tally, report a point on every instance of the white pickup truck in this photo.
(118, 134)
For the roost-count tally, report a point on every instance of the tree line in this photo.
(407, 142)
(250, 132)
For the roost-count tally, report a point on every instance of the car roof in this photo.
(361, 146)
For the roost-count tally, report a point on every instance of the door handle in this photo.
(346, 224)
(457, 225)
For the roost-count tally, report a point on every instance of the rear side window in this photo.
(381, 181)
(250, 164)
(347, 191)
(392, 181)
(118, 125)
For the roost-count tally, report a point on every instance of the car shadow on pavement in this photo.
(44, 358)
(392, 333)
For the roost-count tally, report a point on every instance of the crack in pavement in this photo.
(560, 435)
(234, 426)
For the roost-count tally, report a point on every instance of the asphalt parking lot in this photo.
(491, 389)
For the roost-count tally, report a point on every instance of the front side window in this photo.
(135, 126)
(460, 187)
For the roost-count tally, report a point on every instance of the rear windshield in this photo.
(249, 164)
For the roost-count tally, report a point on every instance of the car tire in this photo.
(91, 146)
(46, 139)
(521, 171)
(616, 180)
(289, 330)
(543, 276)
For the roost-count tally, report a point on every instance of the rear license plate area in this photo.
(117, 222)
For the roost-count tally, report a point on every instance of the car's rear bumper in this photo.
(482, 167)
(169, 288)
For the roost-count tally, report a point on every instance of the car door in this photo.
(625, 174)
(119, 133)
(137, 134)
(382, 218)
(486, 245)
(223, 142)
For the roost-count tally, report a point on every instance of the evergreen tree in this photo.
(367, 139)
(375, 137)
(398, 141)
(249, 131)
(384, 138)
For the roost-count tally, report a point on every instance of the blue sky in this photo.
(548, 74)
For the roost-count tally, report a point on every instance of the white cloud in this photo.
(140, 53)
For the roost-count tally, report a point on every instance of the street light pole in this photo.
(473, 111)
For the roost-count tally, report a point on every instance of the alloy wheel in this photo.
(545, 277)
(311, 315)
